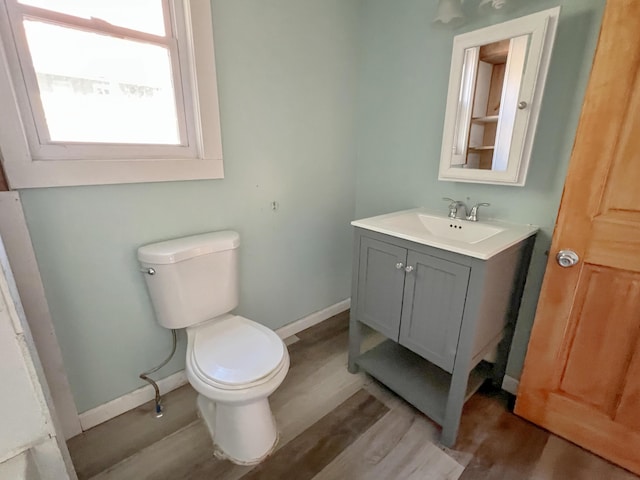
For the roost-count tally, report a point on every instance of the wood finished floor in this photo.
(334, 425)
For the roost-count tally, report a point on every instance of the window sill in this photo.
(63, 173)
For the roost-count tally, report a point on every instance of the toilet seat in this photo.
(234, 353)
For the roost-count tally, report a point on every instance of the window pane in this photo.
(142, 15)
(96, 88)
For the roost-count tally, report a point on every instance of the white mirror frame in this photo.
(540, 28)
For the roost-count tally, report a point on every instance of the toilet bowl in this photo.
(232, 362)
(235, 364)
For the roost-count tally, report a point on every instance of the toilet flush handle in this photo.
(148, 271)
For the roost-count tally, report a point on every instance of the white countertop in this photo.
(452, 235)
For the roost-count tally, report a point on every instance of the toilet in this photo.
(232, 362)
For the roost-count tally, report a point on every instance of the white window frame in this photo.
(30, 160)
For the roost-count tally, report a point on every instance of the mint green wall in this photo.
(403, 78)
(287, 82)
(304, 85)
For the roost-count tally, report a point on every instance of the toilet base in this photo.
(245, 434)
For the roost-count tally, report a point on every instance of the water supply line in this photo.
(144, 376)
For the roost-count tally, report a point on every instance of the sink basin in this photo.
(463, 231)
(481, 239)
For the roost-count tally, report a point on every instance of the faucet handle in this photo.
(453, 207)
(473, 214)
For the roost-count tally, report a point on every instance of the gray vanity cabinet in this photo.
(420, 308)
(381, 268)
(442, 313)
(434, 294)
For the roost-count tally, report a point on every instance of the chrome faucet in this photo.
(453, 207)
(473, 214)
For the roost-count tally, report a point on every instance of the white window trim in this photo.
(28, 93)
(25, 170)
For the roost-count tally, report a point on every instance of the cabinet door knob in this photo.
(399, 266)
(408, 269)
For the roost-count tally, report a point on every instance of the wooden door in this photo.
(380, 285)
(581, 378)
(434, 295)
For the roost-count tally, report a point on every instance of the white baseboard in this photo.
(510, 384)
(129, 401)
(134, 399)
(313, 319)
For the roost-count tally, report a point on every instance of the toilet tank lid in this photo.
(180, 249)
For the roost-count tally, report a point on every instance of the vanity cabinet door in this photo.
(434, 298)
(380, 283)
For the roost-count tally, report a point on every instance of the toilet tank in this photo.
(194, 278)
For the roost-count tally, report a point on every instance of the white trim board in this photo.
(17, 241)
(120, 405)
(315, 318)
(131, 400)
(510, 384)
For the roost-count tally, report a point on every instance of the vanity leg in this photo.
(355, 341)
(453, 412)
(355, 327)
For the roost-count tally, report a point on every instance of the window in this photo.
(107, 91)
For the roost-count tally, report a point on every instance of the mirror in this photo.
(495, 90)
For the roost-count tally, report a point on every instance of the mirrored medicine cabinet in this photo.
(496, 83)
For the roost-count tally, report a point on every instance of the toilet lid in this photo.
(236, 351)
